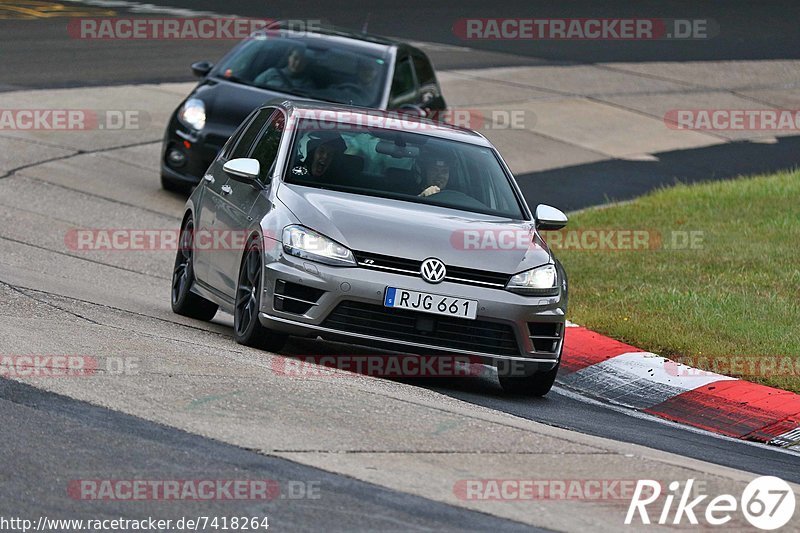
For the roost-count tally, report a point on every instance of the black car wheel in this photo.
(184, 301)
(246, 325)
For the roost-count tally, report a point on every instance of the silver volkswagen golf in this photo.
(387, 231)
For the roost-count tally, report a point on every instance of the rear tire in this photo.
(535, 383)
(247, 327)
(184, 301)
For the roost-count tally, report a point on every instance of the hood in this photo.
(229, 103)
(415, 231)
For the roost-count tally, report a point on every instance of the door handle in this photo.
(209, 178)
(226, 189)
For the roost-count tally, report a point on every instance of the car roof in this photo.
(325, 32)
(377, 118)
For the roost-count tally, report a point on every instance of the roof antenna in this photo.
(366, 24)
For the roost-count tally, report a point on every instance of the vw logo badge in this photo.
(433, 270)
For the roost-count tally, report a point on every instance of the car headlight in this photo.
(540, 281)
(308, 244)
(193, 113)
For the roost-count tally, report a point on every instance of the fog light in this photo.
(176, 158)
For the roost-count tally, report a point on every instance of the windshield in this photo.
(310, 68)
(401, 165)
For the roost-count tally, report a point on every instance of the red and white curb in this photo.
(624, 375)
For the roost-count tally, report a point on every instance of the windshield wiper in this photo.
(236, 79)
(305, 93)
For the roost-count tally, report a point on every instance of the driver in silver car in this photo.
(434, 167)
(323, 155)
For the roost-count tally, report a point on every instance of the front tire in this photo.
(247, 327)
(184, 301)
(526, 381)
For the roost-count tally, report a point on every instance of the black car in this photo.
(329, 64)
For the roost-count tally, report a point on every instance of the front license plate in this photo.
(430, 303)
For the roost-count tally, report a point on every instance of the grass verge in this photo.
(714, 282)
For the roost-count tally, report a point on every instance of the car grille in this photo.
(410, 326)
(410, 267)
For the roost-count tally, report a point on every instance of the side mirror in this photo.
(242, 169)
(549, 218)
(202, 68)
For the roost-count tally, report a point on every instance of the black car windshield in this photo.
(401, 165)
(308, 67)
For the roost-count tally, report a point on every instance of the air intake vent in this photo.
(546, 336)
(294, 298)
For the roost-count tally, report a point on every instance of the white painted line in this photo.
(788, 439)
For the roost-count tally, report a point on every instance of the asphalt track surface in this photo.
(39, 54)
(69, 433)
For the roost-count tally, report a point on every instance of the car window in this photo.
(310, 67)
(424, 70)
(230, 144)
(253, 129)
(403, 89)
(401, 165)
(266, 150)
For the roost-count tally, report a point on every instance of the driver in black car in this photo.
(295, 75)
(368, 74)
(434, 167)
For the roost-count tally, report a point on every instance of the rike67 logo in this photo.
(767, 503)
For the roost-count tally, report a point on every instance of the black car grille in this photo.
(478, 336)
(410, 267)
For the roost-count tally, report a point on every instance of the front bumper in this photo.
(199, 150)
(320, 294)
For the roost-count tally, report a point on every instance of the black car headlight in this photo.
(308, 244)
(539, 281)
(193, 114)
